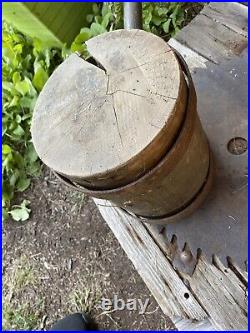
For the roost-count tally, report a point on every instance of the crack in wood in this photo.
(175, 297)
(127, 92)
(164, 96)
(134, 235)
(116, 119)
(237, 272)
(145, 63)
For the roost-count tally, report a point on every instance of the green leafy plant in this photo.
(26, 66)
(105, 17)
(163, 19)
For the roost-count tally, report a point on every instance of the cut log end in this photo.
(111, 120)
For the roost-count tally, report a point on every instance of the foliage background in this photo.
(26, 67)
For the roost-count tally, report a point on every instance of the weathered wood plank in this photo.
(219, 295)
(226, 306)
(240, 273)
(191, 325)
(208, 36)
(221, 278)
(232, 15)
(154, 268)
(193, 59)
(172, 251)
(231, 275)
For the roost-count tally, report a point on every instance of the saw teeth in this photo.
(185, 259)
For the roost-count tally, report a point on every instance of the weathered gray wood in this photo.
(216, 36)
(224, 301)
(232, 15)
(221, 293)
(232, 279)
(239, 272)
(191, 325)
(212, 292)
(172, 251)
(151, 264)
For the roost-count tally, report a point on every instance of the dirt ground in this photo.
(65, 259)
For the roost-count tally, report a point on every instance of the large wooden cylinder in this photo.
(123, 126)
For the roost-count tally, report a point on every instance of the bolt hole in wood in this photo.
(237, 146)
(186, 295)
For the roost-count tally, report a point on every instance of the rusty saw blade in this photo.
(219, 227)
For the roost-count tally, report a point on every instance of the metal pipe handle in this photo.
(132, 15)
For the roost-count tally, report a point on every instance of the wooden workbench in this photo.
(214, 295)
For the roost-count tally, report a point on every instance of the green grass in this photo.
(86, 295)
(24, 296)
(20, 310)
(22, 317)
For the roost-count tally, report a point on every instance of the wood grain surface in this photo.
(214, 297)
(104, 124)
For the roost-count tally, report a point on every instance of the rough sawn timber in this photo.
(210, 293)
(151, 264)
